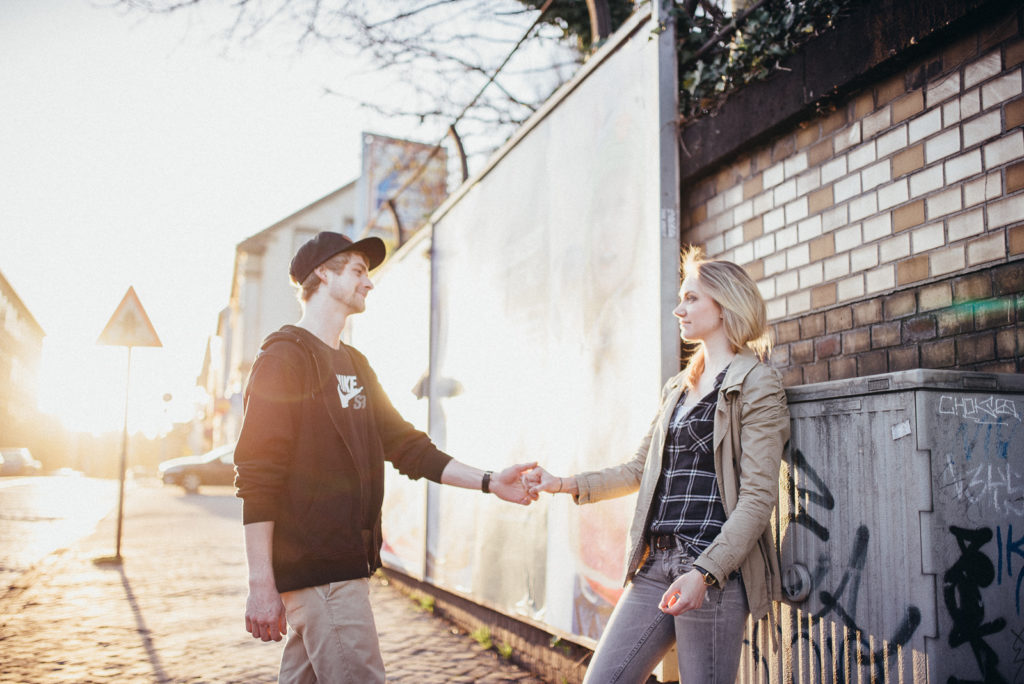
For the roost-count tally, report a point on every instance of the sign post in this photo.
(128, 327)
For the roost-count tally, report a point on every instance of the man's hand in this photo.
(510, 484)
(264, 613)
(686, 593)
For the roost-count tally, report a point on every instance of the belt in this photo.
(666, 541)
(670, 541)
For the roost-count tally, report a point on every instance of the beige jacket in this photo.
(751, 430)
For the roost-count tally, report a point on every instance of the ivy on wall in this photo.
(719, 53)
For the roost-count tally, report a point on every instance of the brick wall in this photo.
(888, 232)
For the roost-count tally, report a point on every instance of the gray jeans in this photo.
(639, 635)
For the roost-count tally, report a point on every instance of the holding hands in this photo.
(539, 480)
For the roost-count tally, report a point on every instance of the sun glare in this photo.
(84, 386)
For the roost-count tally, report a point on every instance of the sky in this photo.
(136, 151)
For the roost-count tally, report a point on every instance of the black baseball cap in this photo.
(325, 245)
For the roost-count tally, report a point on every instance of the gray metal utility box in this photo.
(901, 523)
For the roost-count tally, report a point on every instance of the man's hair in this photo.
(744, 314)
(336, 263)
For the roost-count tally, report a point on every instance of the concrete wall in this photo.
(887, 232)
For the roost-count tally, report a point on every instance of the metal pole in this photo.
(124, 457)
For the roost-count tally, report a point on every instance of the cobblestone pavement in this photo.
(172, 610)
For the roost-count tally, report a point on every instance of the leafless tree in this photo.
(432, 57)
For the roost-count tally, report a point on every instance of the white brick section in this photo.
(893, 141)
(865, 205)
(763, 203)
(924, 125)
(1006, 149)
(873, 176)
(966, 225)
(743, 212)
(796, 210)
(776, 309)
(877, 122)
(811, 275)
(798, 256)
(983, 189)
(776, 263)
(808, 182)
(733, 196)
(982, 128)
(833, 218)
(882, 278)
(767, 288)
(970, 103)
(744, 254)
(809, 229)
(1001, 89)
(795, 165)
(923, 182)
(927, 238)
(942, 146)
(774, 220)
(846, 138)
(764, 245)
(785, 192)
(716, 205)
(861, 156)
(895, 247)
(850, 288)
(964, 166)
(947, 261)
(715, 245)
(986, 67)
(943, 203)
(837, 266)
(848, 238)
(943, 90)
(893, 194)
(863, 258)
(846, 188)
(950, 113)
(785, 238)
(877, 227)
(989, 248)
(1004, 212)
(787, 282)
(773, 175)
(734, 237)
(833, 169)
(799, 303)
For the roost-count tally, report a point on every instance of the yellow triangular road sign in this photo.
(129, 326)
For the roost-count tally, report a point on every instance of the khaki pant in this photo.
(331, 637)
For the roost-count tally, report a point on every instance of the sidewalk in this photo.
(173, 610)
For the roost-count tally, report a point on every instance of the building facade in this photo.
(21, 346)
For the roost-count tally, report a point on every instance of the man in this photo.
(310, 461)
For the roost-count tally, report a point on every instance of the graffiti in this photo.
(823, 497)
(978, 485)
(1012, 548)
(841, 602)
(1018, 653)
(986, 411)
(961, 590)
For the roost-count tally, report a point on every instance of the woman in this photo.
(701, 555)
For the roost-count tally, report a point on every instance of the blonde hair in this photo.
(744, 314)
(336, 264)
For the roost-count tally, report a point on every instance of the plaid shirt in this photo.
(687, 499)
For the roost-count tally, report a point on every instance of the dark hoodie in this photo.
(310, 457)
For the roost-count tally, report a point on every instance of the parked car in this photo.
(215, 467)
(18, 461)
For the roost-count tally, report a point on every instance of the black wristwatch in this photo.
(709, 579)
(485, 484)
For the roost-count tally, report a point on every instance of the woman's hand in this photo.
(539, 480)
(686, 593)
